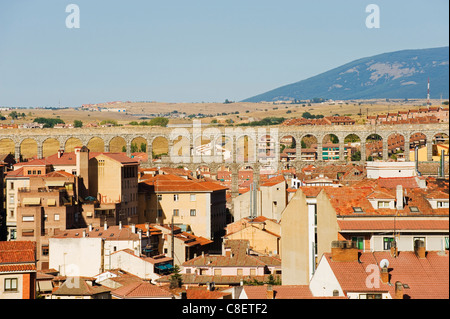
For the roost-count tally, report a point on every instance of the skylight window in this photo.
(414, 209)
(358, 210)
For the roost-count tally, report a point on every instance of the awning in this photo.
(51, 202)
(55, 183)
(164, 267)
(31, 201)
(44, 285)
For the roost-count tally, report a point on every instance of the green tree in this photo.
(143, 148)
(176, 279)
(77, 123)
(14, 115)
(159, 121)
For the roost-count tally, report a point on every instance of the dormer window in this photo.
(443, 204)
(383, 204)
(358, 210)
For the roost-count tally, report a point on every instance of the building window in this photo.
(28, 218)
(193, 212)
(45, 250)
(252, 272)
(11, 199)
(387, 241)
(382, 204)
(443, 204)
(217, 272)
(240, 272)
(193, 197)
(56, 217)
(14, 231)
(373, 296)
(357, 210)
(10, 284)
(159, 197)
(175, 198)
(160, 212)
(176, 212)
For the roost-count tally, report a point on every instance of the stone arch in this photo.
(71, 143)
(419, 140)
(160, 146)
(202, 145)
(181, 146)
(96, 144)
(330, 147)
(354, 147)
(396, 147)
(374, 147)
(138, 145)
(288, 150)
(309, 145)
(117, 144)
(224, 147)
(7, 146)
(50, 146)
(246, 148)
(28, 148)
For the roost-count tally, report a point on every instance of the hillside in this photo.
(397, 75)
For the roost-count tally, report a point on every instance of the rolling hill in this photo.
(396, 75)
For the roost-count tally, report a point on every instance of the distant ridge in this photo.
(396, 75)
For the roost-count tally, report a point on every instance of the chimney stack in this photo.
(398, 290)
(384, 275)
(400, 197)
(84, 233)
(419, 249)
(105, 225)
(60, 153)
(90, 227)
(394, 249)
(133, 228)
(120, 224)
(270, 292)
(344, 251)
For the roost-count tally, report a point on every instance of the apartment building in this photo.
(196, 206)
(88, 251)
(44, 208)
(375, 215)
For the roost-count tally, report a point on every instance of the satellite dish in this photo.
(384, 263)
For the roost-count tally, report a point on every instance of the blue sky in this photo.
(194, 51)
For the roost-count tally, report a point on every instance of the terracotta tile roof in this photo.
(112, 233)
(238, 260)
(174, 183)
(17, 252)
(343, 199)
(141, 290)
(204, 293)
(427, 278)
(389, 225)
(78, 286)
(274, 181)
(280, 292)
(192, 279)
(392, 182)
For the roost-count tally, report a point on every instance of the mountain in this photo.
(397, 75)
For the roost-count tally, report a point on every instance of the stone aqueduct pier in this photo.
(217, 134)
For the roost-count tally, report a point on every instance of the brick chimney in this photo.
(384, 274)
(270, 292)
(344, 251)
(394, 249)
(398, 290)
(419, 249)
